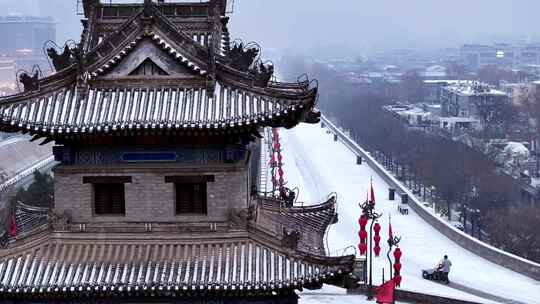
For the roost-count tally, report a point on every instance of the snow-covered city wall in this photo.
(495, 255)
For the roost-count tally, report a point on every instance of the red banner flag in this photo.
(390, 234)
(385, 292)
(372, 199)
(13, 227)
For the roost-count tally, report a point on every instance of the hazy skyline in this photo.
(308, 24)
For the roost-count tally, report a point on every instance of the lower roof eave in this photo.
(236, 263)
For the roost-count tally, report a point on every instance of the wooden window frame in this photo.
(107, 184)
(191, 181)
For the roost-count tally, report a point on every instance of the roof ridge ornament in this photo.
(57, 60)
(242, 56)
(82, 74)
(30, 83)
(262, 73)
(148, 14)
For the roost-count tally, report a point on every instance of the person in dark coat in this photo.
(445, 268)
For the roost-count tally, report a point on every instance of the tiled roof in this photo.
(87, 97)
(83, 268)
(30, 219)
(110, 109)
(310, 221)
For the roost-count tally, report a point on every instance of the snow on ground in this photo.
(318, 166)
(331, 295)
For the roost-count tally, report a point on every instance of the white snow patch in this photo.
(319, 166)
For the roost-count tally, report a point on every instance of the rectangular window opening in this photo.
(191, 198)
(109, 199)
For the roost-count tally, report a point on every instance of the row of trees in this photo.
(462, 176)
(40, 193)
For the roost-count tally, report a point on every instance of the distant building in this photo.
(25, 33)
(535, 86)
(23, 38)
(517, 92)
(414, 115)
(435, 72)
(7, 75)
(470, 99)
(434, 88)
(475, 56)
(458, 124)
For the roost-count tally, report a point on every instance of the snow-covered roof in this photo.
(416, 111)
(436, 68)
(455, 119)
(517, 149)
(473, 89)
(514, 85)
(446, 81)
(535, 182)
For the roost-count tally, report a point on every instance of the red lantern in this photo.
(363, 236)
(363, 248)
(397, 280)
(280, 172)
(377, 228)
(397, 266)
(280, 157)
(377, 250)
(363, 221)
(397, 255)
(377, 239)
(277, 145)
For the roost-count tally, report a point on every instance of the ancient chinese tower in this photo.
(157, 119)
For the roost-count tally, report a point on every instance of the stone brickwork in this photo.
(148, 197)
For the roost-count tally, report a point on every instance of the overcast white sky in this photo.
(357, 23)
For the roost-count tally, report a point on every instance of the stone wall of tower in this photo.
(148, 198)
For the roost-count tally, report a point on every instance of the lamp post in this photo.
(368, 210)
(393, 241)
